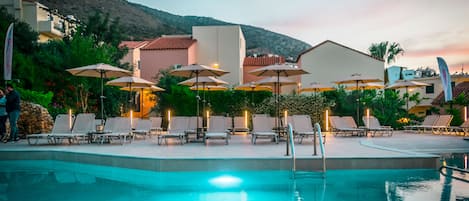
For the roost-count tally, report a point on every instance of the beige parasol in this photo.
(209, 88)
(102, 71)
(365, 86)
(356, 79)
(317, 87)
(130, 82)
(196, 70)
(407, 84)
(206, 80)
(142, 89)
(253, 86)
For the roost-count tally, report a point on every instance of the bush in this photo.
(37, 97)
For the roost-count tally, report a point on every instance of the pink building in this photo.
(165, 52)
(133, 56)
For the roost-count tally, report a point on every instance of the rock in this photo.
(34, 118)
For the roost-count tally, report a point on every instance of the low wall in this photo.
(225, 164)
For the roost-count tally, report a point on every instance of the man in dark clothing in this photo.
(13, 110)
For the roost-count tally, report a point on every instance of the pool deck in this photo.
(402, 150)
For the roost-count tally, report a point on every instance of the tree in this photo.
(386, 51)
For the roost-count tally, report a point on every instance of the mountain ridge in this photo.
(142, 22)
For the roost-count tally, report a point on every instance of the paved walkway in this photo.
(399, 145)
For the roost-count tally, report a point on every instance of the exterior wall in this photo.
(222, 46)
(427, 98)
(152, 61)
(330, 62)
(49, 25)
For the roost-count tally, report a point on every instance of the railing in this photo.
(459, 170)
(321, 145)
(292, 148)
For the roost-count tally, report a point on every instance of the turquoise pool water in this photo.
(64, 181)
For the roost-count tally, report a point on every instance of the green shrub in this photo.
(37, 97)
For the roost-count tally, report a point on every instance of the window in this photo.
(453, 84)
(138, 64)
(430, 89)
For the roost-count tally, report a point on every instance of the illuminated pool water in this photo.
(56, 180)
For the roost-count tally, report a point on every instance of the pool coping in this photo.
(313, 163)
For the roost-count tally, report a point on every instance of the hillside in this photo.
(140, 22)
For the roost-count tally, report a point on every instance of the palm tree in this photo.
(386, 51)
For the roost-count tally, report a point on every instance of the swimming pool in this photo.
(65, 181)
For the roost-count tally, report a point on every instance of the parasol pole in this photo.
(407, 101)
(358, 103)
(141, 102)
(197, 98)
(102, 96)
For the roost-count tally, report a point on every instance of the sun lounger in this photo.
(345, 126)
(262, 128)
(156, 125)
(428, 121)
(84, 123)
(463, 128)
(374, 127)
(143, 128)
(191, 129)
(303, 127)
(176, 129)
(239, 125)
(442, 124)
(119, 128)
(61, 125)
(217, 129)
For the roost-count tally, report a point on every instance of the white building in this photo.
(329, 61)
(223, 47)
(48, 23)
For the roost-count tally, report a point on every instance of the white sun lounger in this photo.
(262, 128)
(61, 125)
(217, 129)
(84, 123)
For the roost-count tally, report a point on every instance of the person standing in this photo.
(3, 115)
(13, 110)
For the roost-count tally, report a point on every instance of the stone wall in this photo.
(34, 119)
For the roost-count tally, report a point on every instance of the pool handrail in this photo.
(454, 169)
(292, 147)
(321, 145)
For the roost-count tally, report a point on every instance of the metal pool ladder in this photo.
(292, 147)
(461, 173)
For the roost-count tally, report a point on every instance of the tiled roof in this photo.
(458, 89)
(132, 44)
(168, 43)
(263, 61)
(329, 41)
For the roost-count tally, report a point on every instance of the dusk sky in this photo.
(424, 28)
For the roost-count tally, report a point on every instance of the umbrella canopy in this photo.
(151, 88)
(207, 80)
(130, 82)
(196, 70)
(317, 87)
(275, 80)
(209, 88)
(284, 70)
(365, 86)
(102, 71)
(406, 84)
(99, 70)
(357, 78)
(253, 87)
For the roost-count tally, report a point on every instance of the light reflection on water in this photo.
(55, 180)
